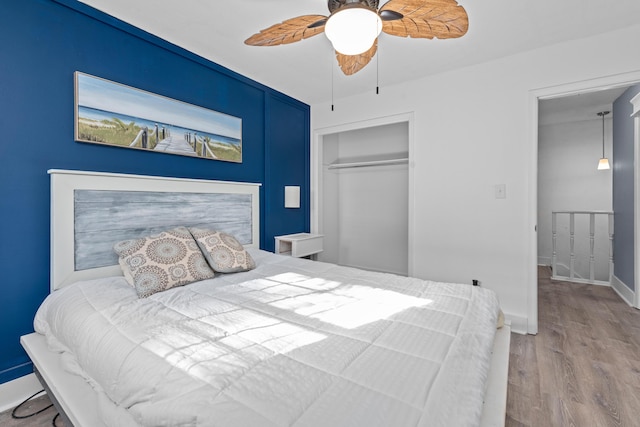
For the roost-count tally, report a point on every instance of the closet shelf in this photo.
(361, 164)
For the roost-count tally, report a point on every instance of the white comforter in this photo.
(291, 343)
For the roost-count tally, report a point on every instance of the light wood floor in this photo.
(42, 419)
(583, 366)
(582, 369)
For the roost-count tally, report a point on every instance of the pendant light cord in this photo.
(603, 113)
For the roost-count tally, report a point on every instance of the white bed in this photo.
(291, 343)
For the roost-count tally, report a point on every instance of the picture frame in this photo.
(115, 114)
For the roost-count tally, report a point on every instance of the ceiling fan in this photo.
(353, 26)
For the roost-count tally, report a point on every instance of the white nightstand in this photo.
(299, 245)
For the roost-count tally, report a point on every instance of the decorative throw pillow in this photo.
(160, 262)
(222, 251)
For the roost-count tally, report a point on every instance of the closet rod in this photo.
(369, 163)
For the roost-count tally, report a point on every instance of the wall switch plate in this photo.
(501, 191)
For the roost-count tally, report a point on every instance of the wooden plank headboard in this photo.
(91, 211)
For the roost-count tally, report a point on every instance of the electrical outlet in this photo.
(500, 191)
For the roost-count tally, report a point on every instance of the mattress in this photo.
(291, 343)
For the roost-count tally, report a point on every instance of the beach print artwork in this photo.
(114, 114)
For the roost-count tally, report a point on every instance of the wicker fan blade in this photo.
(442, 19)
(351, 64)
(289, 31)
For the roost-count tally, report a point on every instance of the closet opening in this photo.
(363, 197)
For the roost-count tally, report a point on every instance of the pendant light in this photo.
(603, 164)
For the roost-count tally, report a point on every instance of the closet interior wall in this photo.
(364, 198)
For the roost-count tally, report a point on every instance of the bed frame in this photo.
(91, 211)
(76, 215)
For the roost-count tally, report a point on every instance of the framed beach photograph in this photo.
(115, 114)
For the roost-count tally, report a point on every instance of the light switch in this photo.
(501, 191)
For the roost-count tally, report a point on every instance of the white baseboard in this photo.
(14, 392)
(580, 280)
(518, 323)
(623, 290)
(544, 260)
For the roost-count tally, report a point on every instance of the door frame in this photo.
(550, 92)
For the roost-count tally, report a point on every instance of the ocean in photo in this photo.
(95, 114)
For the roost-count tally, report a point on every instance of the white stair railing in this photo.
(572, 252)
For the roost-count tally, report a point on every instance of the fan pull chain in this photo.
(332, 67)
(378, 70)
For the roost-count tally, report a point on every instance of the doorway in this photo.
(575, 198)
(535, 97)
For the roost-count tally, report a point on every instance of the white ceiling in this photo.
(216, 30)
(579, 107)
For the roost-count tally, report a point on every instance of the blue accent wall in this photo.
(42, 43)
(623, 187)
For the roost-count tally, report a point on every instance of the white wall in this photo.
(568, 179)
(473, 130)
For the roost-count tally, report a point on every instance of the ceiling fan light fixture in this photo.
(353, 30)
(353, 26)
